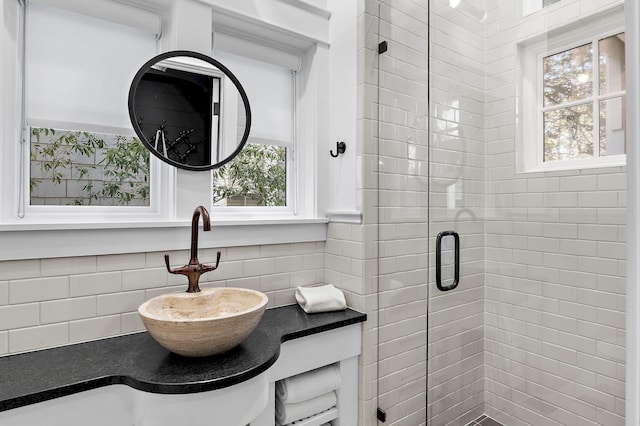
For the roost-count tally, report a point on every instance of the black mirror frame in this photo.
(136, 127)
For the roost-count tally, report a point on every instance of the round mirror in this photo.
(189, 110)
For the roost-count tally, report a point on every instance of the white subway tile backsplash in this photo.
(121, 262)
(67, 309)
(598, 298)
(140, 279)
(226, 270)
(27, 339)
(274, 282)
(241, 253)
(19, 316)
(259, 267)
(17, 269)
(613, 318)
(131, 323)
(615, 216)
(4, 292)
(68, 265)
(34, 290)
(91, 284)
(94, 328)
(4, 342)
(598, 199)
(129, 301)
(579, 248)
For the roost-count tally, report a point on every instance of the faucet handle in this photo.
(207, 268)
(166, 261)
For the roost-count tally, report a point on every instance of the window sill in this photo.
(577, 165)
(36, 241)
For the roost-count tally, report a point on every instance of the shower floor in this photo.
(484, 421)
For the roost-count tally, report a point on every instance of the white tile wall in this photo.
(549, 354)
(457, 203)
(53, 302)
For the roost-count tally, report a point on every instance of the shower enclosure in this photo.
(496, 146)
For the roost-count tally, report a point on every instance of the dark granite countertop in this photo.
(140, 362)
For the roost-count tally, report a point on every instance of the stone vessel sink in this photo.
(205, 323)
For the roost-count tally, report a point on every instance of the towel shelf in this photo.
(319, 419)
(340, 347)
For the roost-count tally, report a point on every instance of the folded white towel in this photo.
(308, 385)
(289, 413)
(323, 298)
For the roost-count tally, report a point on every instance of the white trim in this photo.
(276, 21)
(241, 46)
(310, 7)
(91, 239)
(632, 408)
(589, 163)
(340, 216)
(530, 6)
(530, 54)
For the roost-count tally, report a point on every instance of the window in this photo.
(75, 115)
(572, 100)
(261, 175)
(81, 149)
(583, 101)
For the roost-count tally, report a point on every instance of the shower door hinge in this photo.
(382, 47)
(382, 416)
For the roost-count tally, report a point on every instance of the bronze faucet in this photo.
(194, 269)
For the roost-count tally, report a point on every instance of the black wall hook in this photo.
(341, 147)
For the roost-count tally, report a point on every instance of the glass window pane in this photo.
(568, 75)
(256, 177)
(612, 64)
(568, 133)
(70, 167)
(612, 124)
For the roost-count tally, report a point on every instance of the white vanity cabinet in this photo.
(130, 380)
(249, 402)
(120, 405)
(341, 346)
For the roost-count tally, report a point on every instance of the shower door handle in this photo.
(447, 260)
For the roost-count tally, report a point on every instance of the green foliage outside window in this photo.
(83, 168)
(257, 177)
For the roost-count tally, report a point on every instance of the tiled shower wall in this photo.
(403, 201)
(53, 302)
(456, 317)
(383, 262)
(555, 261)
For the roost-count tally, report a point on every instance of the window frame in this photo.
(530, 98)
(291, 208)
(27, 213)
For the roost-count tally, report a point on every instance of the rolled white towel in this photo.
(308, 385)
(289, 413)
(324, 298)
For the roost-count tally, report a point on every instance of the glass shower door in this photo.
(526, 132)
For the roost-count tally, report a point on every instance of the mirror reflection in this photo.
(189, 110)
